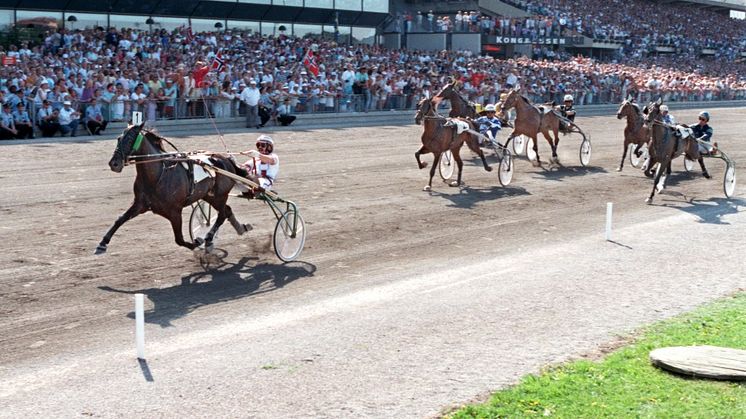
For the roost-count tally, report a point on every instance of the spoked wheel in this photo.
(634, 160)
(585, 152)
(519, 144)
(505, 168)
(530, 153)
(202, 219)
(688, 164)
(288, 246)
(729, 181)
(446, 165)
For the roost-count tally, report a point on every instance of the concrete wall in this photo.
(426, 41)
(467, 41)
(391, 40)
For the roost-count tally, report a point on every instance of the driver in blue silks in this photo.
(489, 124)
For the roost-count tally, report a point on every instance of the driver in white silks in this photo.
(262, 167)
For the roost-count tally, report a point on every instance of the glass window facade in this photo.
(364, 35)
(207, 25)
(86, 21)
(6, 19)
(243, 25)
(272, 28)
(380, 6)
(348, 4)
(48, 20)
(256, 1)
(125, 21)
(306, 30)
(321, 4)
(296, 3)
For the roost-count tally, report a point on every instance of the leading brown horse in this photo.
(439, 138)
(636, 132)
(664, 146)
(163, 186)
(531, 120)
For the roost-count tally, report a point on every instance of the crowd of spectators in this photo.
(81, 80)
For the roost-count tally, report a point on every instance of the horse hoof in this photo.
(488, 168)
(247, 228)
(100, 250)
(454, 184)
(423, 165)
(535, 163)
(618, 169)
(648, 200)
(426, 188)
(198, 242)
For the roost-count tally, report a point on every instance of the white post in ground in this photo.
(140, 326)
(609, 206)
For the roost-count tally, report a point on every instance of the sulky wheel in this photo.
(288, 246)
(202, 219)
(688, 164)
(505, 168)
(729, 181)
(519, 144)
(446, 165)
(634, 160)
(530, 153)
(585, 152)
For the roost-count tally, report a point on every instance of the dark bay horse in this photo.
(439, 138)
(664, 146)
(459, 106)
(163, 186)
(636, 132)
(531, 120)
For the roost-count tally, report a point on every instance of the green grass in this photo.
(625, 384)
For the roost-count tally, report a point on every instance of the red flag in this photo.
(218, 63)
(310, 62)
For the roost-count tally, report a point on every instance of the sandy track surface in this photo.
(404, 302)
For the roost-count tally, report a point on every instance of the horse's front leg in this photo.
(417, 154)
(657, 179)
(537, 162)
(175, 219)
(555, 157)
(460, 164)
(624, 155)
(133, 211)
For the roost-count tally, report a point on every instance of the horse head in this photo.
(448, 91)
(510, 99)
(127, 143)
(627, 108)
(653, 111)
(424, 108)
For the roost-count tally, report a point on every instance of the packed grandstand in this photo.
(153, 71)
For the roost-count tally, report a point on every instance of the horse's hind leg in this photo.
(240, 228)
(460, 164)
(417, 153)
(553, 144)
(436, 162)
(701, 161)
(474, 146)
(658, 175)
(133, 211)
(536, 163)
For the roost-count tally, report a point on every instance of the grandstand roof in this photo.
(713, 4)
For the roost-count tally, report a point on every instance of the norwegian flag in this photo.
(187, 32)
(217, 63)
(310, 62)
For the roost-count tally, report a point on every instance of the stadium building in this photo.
(354, 20)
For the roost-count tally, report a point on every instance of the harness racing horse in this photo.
(664, 146)
(531, 120)
(439, 138)
(636, 132)
(166, 187)
(459, 106)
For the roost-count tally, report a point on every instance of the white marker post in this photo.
(609, 206)
(136, 118)
(140, 326)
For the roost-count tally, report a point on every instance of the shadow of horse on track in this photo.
(708, 211)
(228, 282)
(468, 197)
(559, 173)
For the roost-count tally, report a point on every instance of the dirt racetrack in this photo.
(403, 303)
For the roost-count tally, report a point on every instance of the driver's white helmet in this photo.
(490, 108)
(568, 98)
(664, 108)
(265, 139)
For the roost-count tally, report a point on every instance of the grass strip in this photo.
(625, 384)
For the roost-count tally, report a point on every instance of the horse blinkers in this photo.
(125, 145)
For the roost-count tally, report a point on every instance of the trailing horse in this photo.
(636, 132)
(664, 146)
(460, 107)
(164, 186)
(531, 120)
(439, 138)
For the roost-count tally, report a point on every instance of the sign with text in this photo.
(519, 40)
